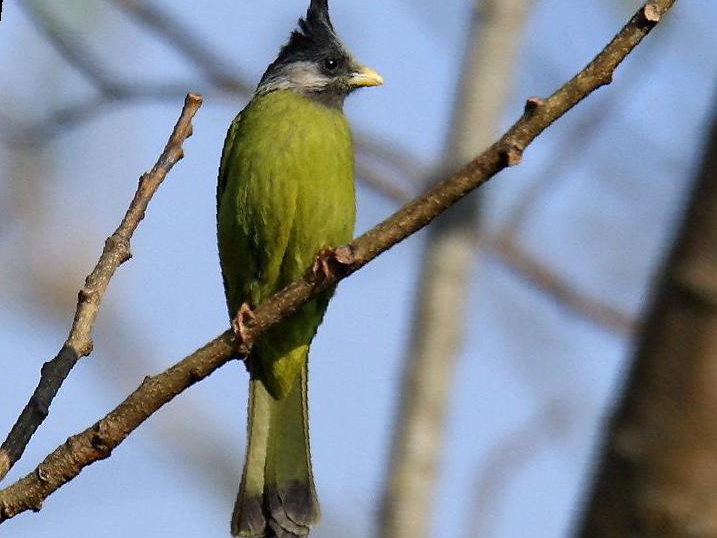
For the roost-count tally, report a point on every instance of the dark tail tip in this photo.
(248, 520)
(287, 512)
(291, 510)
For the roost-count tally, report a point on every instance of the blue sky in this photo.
(533, 377)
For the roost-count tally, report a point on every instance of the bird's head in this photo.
(315, 63)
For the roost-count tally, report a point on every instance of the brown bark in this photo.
(658, 476)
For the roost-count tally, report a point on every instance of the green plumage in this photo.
(286, 192)
(286, 184)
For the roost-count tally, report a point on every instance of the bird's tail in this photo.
(277, 498)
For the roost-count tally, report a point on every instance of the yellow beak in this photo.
(365, 76)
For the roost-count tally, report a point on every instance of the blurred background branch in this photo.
(402, 165)
(658, 474)
(505, 461)
(440, 310)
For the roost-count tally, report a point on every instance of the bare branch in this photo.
(116, 252)
(505, 245)
(98, 441)
(582, 134)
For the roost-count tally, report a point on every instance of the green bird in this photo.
(285, 193)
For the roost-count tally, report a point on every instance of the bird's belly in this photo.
(323, 217)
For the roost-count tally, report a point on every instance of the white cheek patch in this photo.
(303, 76)
(306, 75)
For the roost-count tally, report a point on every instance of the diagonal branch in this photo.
(98, 441)
(540, 275)
(116, 252)
(68, 46)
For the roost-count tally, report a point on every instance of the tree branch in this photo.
(116, 252)
(97, 442)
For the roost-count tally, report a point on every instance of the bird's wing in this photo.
(226, 151)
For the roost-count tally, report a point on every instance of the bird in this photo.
(285, 193)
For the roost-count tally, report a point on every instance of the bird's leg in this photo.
(240, 325)
(326, 257)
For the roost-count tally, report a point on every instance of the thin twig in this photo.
(540, 276)
(97, 442)
(182, 39)
(68, 46)
(116, 252)
(65, 117)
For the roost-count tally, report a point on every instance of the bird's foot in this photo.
(241, 323)
(328, 259)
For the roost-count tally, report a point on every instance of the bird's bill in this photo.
(365, 76)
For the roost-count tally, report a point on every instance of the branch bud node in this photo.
(651, 13)
(533, 103)
(41, 475)
(513, 154)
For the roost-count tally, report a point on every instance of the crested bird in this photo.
(285, 193)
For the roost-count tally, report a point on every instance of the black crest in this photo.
(313, 39)
(318, 13)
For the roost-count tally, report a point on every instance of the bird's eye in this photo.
(331, 63)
